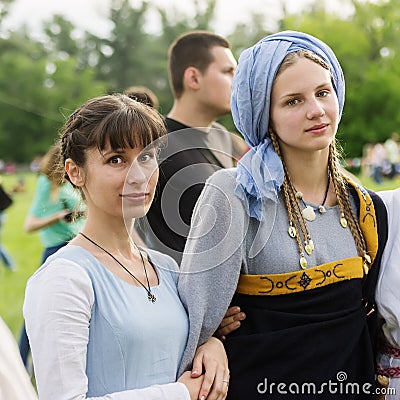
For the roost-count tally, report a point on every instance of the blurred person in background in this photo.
(378, 162)
(393, 154)
(5, 202)
(56, 212)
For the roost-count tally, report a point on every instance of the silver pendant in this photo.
(151, 297)
(322, 209)
(308, 213)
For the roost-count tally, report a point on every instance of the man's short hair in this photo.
(192, 49)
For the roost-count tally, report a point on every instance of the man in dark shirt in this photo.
(201, 68)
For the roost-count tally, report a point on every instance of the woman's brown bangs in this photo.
(142, 130)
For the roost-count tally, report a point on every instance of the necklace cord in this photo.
(325, 196)
(150, 295)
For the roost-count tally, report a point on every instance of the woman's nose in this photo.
(315, 110)
(136, 174)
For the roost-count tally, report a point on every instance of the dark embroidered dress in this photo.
(310, 334)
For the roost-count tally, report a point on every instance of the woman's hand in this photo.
(212, 356)
(192, 384)
(230, 323)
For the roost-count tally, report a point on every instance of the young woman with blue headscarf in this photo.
(287, 236)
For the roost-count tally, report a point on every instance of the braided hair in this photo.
(296, 219)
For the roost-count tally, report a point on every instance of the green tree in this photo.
(36, 88)
(22, 121)
(123, 58)
(60, 37)
(41, 81)
(4, 9)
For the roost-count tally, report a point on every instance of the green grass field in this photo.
(26, 248)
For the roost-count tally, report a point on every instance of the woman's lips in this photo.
(320, 128)
(135, 196)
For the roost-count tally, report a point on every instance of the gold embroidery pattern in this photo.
(299, 281)
(368, 221)
(325, 274)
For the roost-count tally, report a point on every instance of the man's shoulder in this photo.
(217, 125)
(172, 125)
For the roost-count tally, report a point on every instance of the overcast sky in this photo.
(92, 15)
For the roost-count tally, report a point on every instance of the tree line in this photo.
(43, 80)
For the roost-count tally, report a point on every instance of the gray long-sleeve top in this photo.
(223, 242)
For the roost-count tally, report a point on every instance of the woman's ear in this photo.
(75, 173)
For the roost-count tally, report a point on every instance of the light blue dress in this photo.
(103, 335)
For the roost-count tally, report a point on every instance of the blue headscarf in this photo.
(260, 171)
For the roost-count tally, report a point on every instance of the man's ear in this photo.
(75, 173)
(191, 78)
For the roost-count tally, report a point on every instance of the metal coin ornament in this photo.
(343, 221)
(366, 269)
(367, 263)
(367, 258)
(309, 213)
(308, 248)
(292, 231)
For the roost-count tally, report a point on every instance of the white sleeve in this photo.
(14, 381)
(387, 290)
(57, 312)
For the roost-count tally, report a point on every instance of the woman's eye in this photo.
(115, 160)
(323, 93)
(146, 157)
(293, 102)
